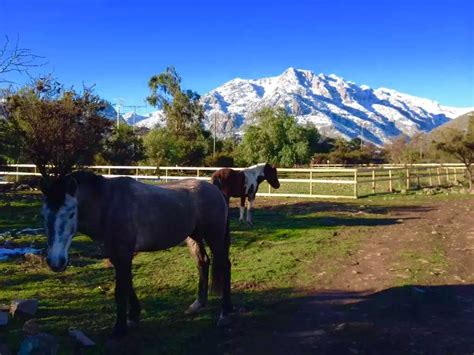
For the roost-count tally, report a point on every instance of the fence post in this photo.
(108, 171)
(447, 175)
(17, 171)
(311, 182)
(439, 176)
(431, 180)
(355, 184)
(166, 175)
(455, 174)
(390, 187)
(373, 181)
(408, 179)
(418, 178)
(197, 172)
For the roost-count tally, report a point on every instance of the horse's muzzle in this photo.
(58, 266)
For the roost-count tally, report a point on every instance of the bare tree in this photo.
(14, 59)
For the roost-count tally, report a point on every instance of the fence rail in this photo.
(316, 182)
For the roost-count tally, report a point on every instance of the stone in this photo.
(80, 337)
(29, 306)
(3, 318)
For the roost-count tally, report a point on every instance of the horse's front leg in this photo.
(242, 209)
(123, 290)
(250, 209)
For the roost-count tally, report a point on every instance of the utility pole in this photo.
(119, 106)
(215, 132)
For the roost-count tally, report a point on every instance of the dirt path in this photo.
(408, 290)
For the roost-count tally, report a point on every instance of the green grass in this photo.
(272, 261)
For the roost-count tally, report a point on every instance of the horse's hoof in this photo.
(133, 324)
(224, 321)
(250, 223)
(194, 308)
(241, 221)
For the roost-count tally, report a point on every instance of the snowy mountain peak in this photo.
(339, 108)
(336, 106)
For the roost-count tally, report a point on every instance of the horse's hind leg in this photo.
(221, 272)
(250, 210)
(198, 251)
(135, 309)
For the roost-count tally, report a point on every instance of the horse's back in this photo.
(166, 214)
(230, 181)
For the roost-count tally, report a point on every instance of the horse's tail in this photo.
(221, 263)
(216, 180)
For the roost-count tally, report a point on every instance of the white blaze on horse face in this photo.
(60, 226)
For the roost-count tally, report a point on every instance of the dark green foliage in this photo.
(58, 128)
(460, 144)
(350, 153)
(183, 141)
(182, 108)
(278, 139)
(123, 147)
(11, 145)
(166, 147)
(219, 160)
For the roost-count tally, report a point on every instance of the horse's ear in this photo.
(71, 186)
(45, 185)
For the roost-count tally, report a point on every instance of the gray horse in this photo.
(126, 216)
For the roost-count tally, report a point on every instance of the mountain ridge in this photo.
(338, 108)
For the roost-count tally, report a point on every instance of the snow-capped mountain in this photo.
(337, 107)
(133, 118)
(156, 118)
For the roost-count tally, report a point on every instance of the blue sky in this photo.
(424, 48)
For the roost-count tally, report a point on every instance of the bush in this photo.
(219, 160)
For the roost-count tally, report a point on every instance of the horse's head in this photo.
(60, 217)
(270, 172)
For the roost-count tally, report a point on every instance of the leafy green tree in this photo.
(278, 139)
(460, 144)
(164, 147)
(11, 145)
(123, 147)
(58, 128)
(183, 141)
(182, 108)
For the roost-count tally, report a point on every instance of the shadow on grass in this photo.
(342, 207)
(399, 320)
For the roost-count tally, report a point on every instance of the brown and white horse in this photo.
(244, 184)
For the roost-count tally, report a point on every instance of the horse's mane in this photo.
(87, 177)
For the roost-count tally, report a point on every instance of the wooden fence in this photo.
(320, 182)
